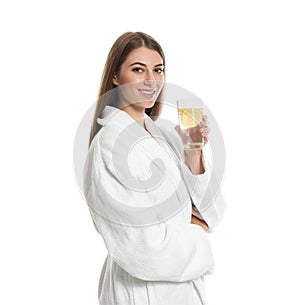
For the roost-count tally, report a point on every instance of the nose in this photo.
(150, 80)
(150, 83)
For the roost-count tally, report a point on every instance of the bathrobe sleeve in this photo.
(207, 202)
(172, 250)
(204, 189)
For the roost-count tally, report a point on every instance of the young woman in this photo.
(143, 189)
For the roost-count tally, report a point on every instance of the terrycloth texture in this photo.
(140, 195)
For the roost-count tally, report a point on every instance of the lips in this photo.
(148, 93)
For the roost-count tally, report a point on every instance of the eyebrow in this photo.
(144, 65)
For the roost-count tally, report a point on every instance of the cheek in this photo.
(161, 82)
(128, 77)
(129, 91)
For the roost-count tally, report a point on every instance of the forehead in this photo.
(144, 55)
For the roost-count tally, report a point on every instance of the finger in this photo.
(204, 132)
(204, 117)
(205, 129)
(177, 128)
(202, 123)
(204, 135)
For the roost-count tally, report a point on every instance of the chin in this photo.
(147, 104)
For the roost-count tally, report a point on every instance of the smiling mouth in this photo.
(148, 93)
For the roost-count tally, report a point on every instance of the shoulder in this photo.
(105, 140)
(100, 147)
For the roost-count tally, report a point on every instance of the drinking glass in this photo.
(190, 113)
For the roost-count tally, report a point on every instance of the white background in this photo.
(241, 57)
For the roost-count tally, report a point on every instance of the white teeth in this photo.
(147, 92)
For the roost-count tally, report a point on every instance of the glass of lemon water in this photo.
(190, 113)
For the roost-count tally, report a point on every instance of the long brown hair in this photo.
(116, 57)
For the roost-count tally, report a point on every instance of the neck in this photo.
(136, 114)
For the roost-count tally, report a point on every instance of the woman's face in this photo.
(140, 78)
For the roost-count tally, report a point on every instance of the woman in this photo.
(142, 193)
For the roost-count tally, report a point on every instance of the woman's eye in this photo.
(159, 70)
(137, 70)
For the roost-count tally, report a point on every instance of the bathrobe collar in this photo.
(114, 116)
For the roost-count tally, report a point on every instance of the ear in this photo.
(115, 80)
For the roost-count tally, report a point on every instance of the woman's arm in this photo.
(199, 180)
(193, 158)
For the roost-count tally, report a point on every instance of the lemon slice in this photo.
(190, 117)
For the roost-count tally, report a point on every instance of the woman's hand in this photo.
(195, 220)
(193, 157)
(201, 128)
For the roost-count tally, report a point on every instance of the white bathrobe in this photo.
(140, 194)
